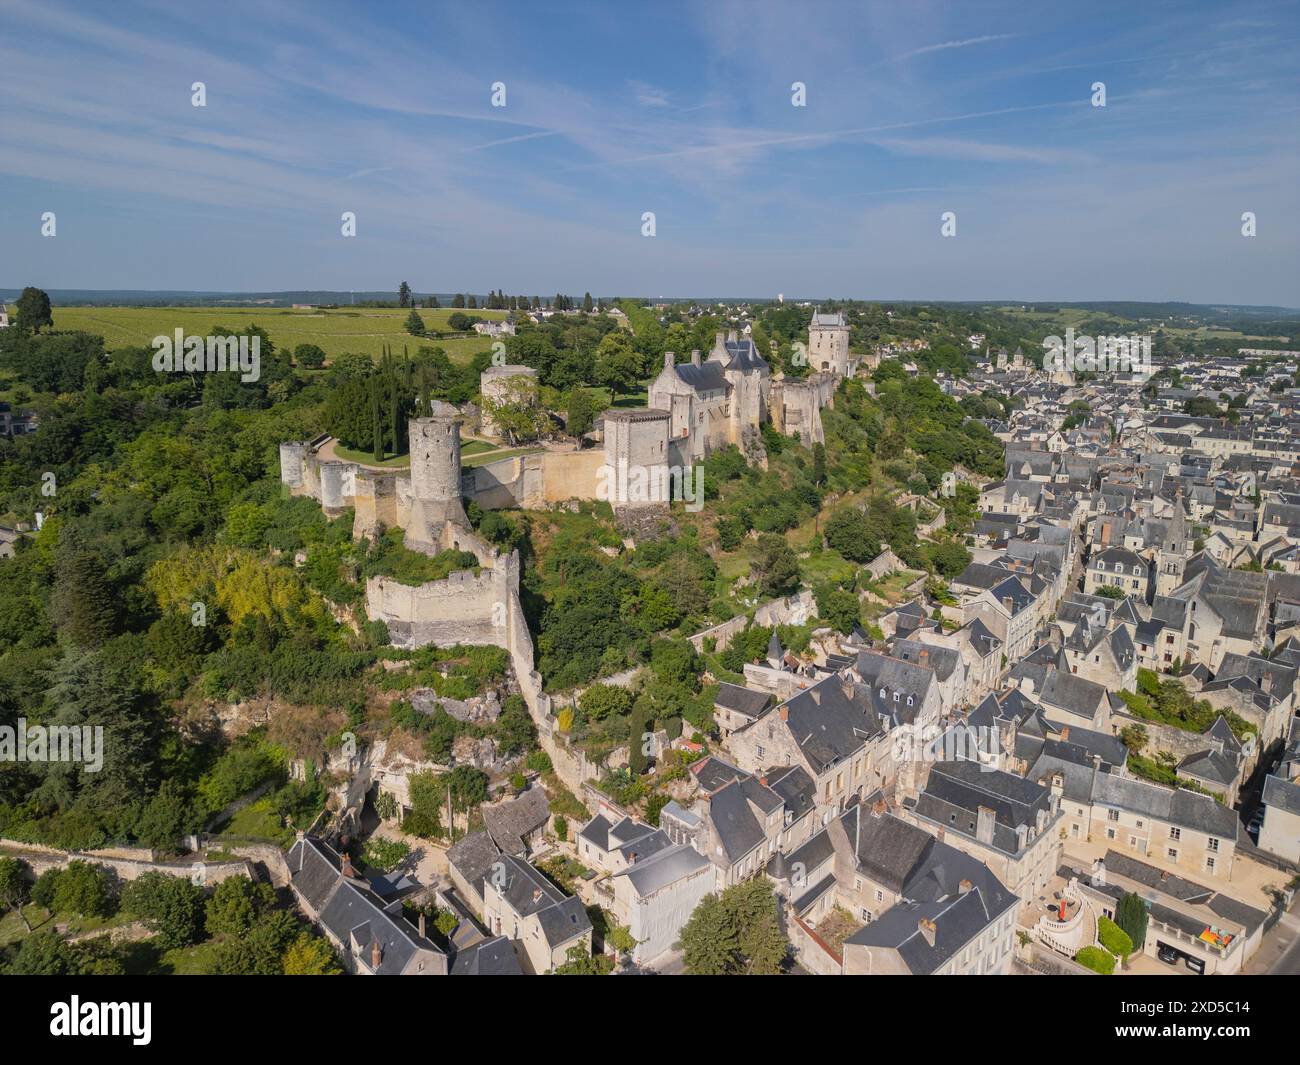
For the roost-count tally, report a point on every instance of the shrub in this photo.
(384, 854)
(1114, 938)
(79, 888)
(1096, 959)
(170, 906)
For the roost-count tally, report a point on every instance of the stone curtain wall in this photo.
(384, 498)
(459, 609)
(42, 858)
(533, 481)
(482, 610)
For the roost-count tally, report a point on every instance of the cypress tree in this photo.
(376, 424)
(82, 603)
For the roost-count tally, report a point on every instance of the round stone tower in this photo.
(435, 455)
(435, 475)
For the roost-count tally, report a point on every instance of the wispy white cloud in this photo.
(649, 95)
(944, 46)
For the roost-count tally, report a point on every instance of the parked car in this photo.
(1168, 955)
(1255, 823)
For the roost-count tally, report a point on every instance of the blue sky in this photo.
(615, 109)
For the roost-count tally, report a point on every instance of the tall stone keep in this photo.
(828, 344)
(435, 476)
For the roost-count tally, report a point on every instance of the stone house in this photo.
(371, 935)
(656, 895)
(1175, 826)
(1009, 823)
(541, 922)
(1009, 611)
(925, 906)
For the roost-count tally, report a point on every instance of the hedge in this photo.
(1096, 959)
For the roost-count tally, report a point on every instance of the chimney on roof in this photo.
(763, 780)
(695, 356)
(670, 360)
(927, 929)
(1008, 602)
(731, 336)
(879, 807)
(719, 339)
(1065, 734)
(785, 713)
(421, 925)
(347, 866)
(985, 818)
(964, 886)
(537, 895)
(376, 954)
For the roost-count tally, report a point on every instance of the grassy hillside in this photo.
(362, 330)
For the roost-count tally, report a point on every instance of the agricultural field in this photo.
(364, 330)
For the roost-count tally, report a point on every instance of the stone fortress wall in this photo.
(480, 608)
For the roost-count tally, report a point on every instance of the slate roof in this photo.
(1011, 589)
(351, 911)
(1070, 692)
(1177, 806)
(527, 892)
(943, 660)
(984, 642)
(736, 826)
(981, 575)
(663, 868)
(713, 773)
(487, 957)
(742, 700)
(612, 836)
(707, 377)
(794, 787)
(1182, 889)
(1211, 765)
(830, 721)
(743, 355)
(956, 790)
(473, 857)
(1282, 794)
(508, 822)
(934, 892)
(888, 849)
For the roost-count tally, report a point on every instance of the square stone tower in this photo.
(828, 344)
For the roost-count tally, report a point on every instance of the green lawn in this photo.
(363, 330)
(826, 565)
(258, 819)
(484, 458)
(41, 920)
(367, 458)
(197, 960)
